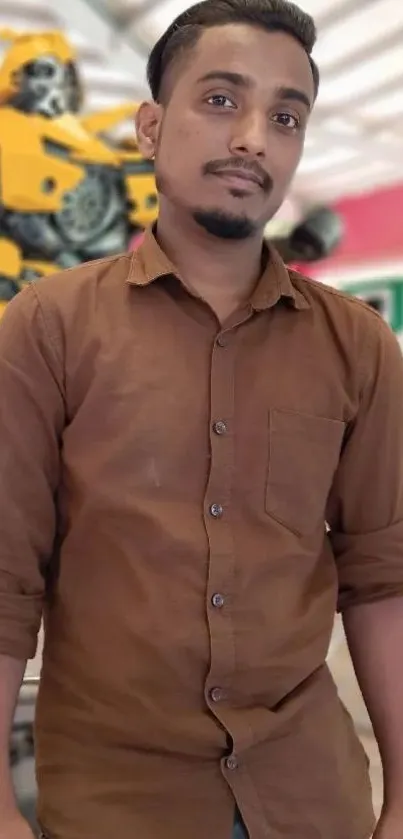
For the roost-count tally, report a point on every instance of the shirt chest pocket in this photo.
(304, 452)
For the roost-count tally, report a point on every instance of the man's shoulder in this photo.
(338, 306)
(71, 283)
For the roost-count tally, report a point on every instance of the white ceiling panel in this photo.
(338, 185)
(104, 78)
(365, 28)
(152, 26)
(339, 127)
(384, 108)
(35, 14)
(126, 4)
(362, 79)
(342, 174)
(320, 9)
(317, 161)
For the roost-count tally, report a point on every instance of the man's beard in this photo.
(224, 225)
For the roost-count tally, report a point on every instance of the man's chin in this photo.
(225, 225)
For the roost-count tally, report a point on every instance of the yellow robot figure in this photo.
(67, 194)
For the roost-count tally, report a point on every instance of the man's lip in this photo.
(240, 174)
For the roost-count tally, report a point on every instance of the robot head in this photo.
(47, 87)
(39, 75)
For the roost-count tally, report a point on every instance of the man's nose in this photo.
(249, 137)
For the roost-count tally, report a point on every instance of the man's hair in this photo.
(183, 34)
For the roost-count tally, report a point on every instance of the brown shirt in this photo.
(164, 488)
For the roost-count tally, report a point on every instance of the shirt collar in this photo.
(149, 263)
(276, 284)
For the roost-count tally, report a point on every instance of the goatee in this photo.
(224, 225)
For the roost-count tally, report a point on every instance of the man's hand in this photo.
(13, 826)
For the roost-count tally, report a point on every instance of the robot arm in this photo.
(103, 121)
(10, 271)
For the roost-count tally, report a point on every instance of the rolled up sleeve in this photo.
(31, 423)
(365, 511)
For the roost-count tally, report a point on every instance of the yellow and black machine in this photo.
(68, 194)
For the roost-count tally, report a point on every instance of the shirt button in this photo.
(220, 428)
(231, 763)
(217, 694)
(218, 601)
(222, 341)
(216, 510)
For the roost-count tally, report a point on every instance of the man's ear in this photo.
(148, 122)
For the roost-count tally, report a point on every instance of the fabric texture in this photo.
(165, 483)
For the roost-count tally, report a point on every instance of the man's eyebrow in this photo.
(236, 79)
(293, 94)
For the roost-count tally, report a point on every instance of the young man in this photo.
(202, 458)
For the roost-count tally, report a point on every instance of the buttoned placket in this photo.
(218, 516)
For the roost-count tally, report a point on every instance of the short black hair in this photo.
(185, 31)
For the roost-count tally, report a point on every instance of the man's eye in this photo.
(287, 121)
(221, 101)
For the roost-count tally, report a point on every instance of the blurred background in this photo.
(74, 187)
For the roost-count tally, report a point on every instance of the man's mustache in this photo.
(215, 167)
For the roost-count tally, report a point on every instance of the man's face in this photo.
(230, 133)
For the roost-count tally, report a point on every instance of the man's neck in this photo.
(222, 272)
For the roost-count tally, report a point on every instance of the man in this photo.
(202, 458)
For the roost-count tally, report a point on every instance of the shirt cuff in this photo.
(369, 566)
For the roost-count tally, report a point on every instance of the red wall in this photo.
(373, 229)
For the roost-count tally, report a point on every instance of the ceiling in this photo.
(355, 139)
(354, 142)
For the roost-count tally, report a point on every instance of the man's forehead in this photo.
(235, 37)
(246, 49)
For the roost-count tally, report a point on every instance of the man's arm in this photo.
(12, 825)
(366, 520)
(375, 638)
(31, 423)
(11, 674)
